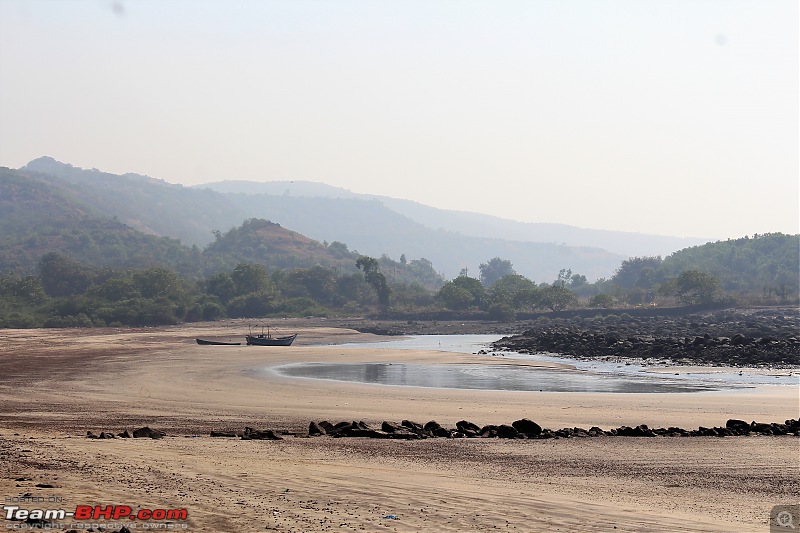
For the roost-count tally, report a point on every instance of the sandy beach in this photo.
(58, 384)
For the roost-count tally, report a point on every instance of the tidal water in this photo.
(488, 377)
(587, 376)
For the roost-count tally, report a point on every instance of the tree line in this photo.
(67, 293)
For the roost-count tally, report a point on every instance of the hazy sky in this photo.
(669, 117)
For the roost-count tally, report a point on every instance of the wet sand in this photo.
(58, 384)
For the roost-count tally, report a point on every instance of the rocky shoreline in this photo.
(519, 429)
(758, 337)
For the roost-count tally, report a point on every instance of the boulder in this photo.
(442, 432)
(739, 426)
(411, 425)
(390, 427)
(146, 432)
(529, 427)
(327, 426)
(505, 431)
(315, 430)
(468, 429)
(485, 430)
(431, 426)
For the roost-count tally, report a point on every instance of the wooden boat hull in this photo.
(259, 340)
(203, 342)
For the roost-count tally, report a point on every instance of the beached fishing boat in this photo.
(266, 339)
(203, 342)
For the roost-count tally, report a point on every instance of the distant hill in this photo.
(366, 225)
(143, 203)
(135, 221)
(269, 244)
(759, 263)
(38, 217)
(476, 224)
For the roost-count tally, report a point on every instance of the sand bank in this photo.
(57, 384)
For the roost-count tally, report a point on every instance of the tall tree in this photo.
(454, 297)
(374, 277)
(495, 269)
(251, 278)
(514, 290)
(63, 276)
(636, 271)
(557, 298)
(692, 287)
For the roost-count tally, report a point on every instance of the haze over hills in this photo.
(373, 225)
(364, 224)
(71, 255)
(628, 244)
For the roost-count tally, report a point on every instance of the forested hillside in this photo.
(625, 243)
(193, 215)
(38, 217)
(266, 243)
(143, 203)
(758, 269)
(767, 262)
(66, 259)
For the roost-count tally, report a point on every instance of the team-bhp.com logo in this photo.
(114, 513)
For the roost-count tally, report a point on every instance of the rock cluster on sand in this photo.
(141, 433)
(734, 338)
(528, 429)
(520, 429)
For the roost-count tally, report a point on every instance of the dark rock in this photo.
(223, 434)
(253, 434)
(146, 432)
(529, 427)
(486, 429)
(327, 426)
(580, 432)
(365, 433)
(505, 431)
(411, 425)
(389, 427)
(431, 426)
(315, 430)
(765, 429)
(643, 431)
(464, 426)
(739, 426)
(441, 432)
(406, 434)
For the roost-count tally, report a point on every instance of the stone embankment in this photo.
(766, 337)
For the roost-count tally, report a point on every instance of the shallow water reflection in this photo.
(489, 377)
